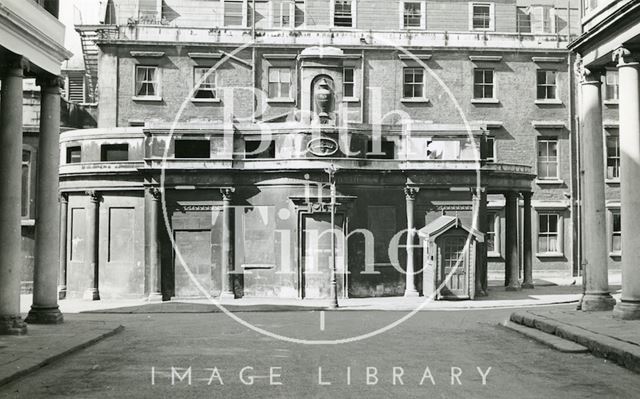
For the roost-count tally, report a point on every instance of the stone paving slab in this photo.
(44, 344)
(604, 335)
(554, 341)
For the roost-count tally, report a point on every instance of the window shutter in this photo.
(76, 88)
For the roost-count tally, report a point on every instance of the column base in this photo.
(527, 285)
(44, 315)
(12, 325)
(62, 292)
(597, 302)
(412, 293)
(154, 297)
(227, 295)
(512, 288)
(626, 310)
(91, 294)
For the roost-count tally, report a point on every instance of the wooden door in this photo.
(454, 260)
(316, 255)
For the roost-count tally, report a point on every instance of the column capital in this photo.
(625, 57)
(155, 192)
(50, 82)
(590, 76)
(15, 65)
(227, 192)
(94, 196)
(411, 192)
(527, 194)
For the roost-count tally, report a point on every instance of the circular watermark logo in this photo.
(320, 147)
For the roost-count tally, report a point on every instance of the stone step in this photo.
(551, 340)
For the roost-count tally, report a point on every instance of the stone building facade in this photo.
(610, 131)
(32, 46)
(220, 122)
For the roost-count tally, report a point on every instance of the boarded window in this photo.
(78, 235)
(382, 224)
(121, 234)
(258, 226)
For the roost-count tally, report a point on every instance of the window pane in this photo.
(542, 244)
(477, 91)
(488, 91)
(348, 74)
(25, 190)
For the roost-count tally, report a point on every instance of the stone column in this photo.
(596, 290)
(227, 251)
(511, 241)
(527, 241)
(62, 276)
(44, 309)
(93, 219)
(410, 285)
(629, 74)
(10, 195)
(480, 223)
(153, 245)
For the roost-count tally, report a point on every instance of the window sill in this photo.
(350, 100)
(147, 98)
(485, 101)
(613, 182)
(550, 255)
(611, 103)
(281, 100)
(548, 102)
(205, 100)
(551, 182)
(616, 255)
(28, 222)
(415, 100)
(472, 29)
(494, 255)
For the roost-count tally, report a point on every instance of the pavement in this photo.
(44, 344)
(543, 295)
(599, 332)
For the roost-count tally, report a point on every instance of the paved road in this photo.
(433, 355)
